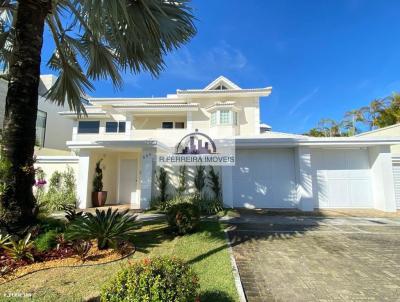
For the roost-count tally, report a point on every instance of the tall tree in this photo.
(372, 111)
(94, 39)
(351, 118)
(390, 115)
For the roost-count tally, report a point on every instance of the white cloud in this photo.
(303, 100)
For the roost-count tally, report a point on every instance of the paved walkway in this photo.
(317, 259)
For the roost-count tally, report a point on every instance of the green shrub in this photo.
(61, 192)
(210, 206)
(108, 228)
(183, 217)
(153, 280)
(46, 241)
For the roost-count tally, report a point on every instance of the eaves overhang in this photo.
(352, 142)
(193, 93)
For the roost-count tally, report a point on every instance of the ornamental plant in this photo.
(183, 217)
(98, 177)
(160, 279)
(20, 249)
(182, 186)
(199, 180)
(108, 228)
(162, 180)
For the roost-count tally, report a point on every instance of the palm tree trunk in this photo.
(18, 202)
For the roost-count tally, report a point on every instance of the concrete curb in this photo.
(235, 271)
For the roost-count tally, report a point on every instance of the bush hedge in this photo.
(159, 279)
(183, 217)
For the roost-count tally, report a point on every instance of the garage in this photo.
(341, 178)
(264, 178)
(396, 179)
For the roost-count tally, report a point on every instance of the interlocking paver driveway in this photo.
(281, 259)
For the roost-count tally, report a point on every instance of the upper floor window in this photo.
(213, 118)
(115, 127)
(167, 125)
(224, 117)
(41, 127)
(179, 125)
(88, 127)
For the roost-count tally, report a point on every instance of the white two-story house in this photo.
(272, 169)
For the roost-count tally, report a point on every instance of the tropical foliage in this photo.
(20, 249)
(379, 113)
(93, 40)
(159, 279)
(107, 227)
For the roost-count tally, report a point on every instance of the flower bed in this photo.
(62, 257)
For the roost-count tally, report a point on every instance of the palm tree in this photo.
(373, 111)
(351, 118)
(93, 40)
(330, 127)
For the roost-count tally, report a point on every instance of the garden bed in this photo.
(65, 259)
(206, 251)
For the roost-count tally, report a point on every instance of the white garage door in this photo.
(264, 179)
(396, 178)
(341, 178)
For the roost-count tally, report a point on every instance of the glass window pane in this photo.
(121, 127)
(111, 127)
(179, 125)
(88, 127)
(40, 128)
(168, 125)
(225, 117)
(213, 118)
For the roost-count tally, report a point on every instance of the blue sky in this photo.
(322, 57)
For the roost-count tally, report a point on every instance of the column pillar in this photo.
(305, 196)
(380, 159)
(227, 186)
(146, 177)
(83, 184)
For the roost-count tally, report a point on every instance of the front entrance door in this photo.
(127, 181)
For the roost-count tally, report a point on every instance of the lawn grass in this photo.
(205, 250)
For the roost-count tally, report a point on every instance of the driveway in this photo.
(317, 259)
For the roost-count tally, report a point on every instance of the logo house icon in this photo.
(192, 143)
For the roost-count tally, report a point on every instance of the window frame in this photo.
(44, 127)
(167, 122)
(219, 118)
(118, 127)
(183, 125)
(79, 127)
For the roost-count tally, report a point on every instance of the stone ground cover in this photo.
(205, 250)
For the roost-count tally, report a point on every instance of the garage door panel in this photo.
(396, 179)
(342, 178)
(264, 178)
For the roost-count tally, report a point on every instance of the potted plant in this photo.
(99, 196)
